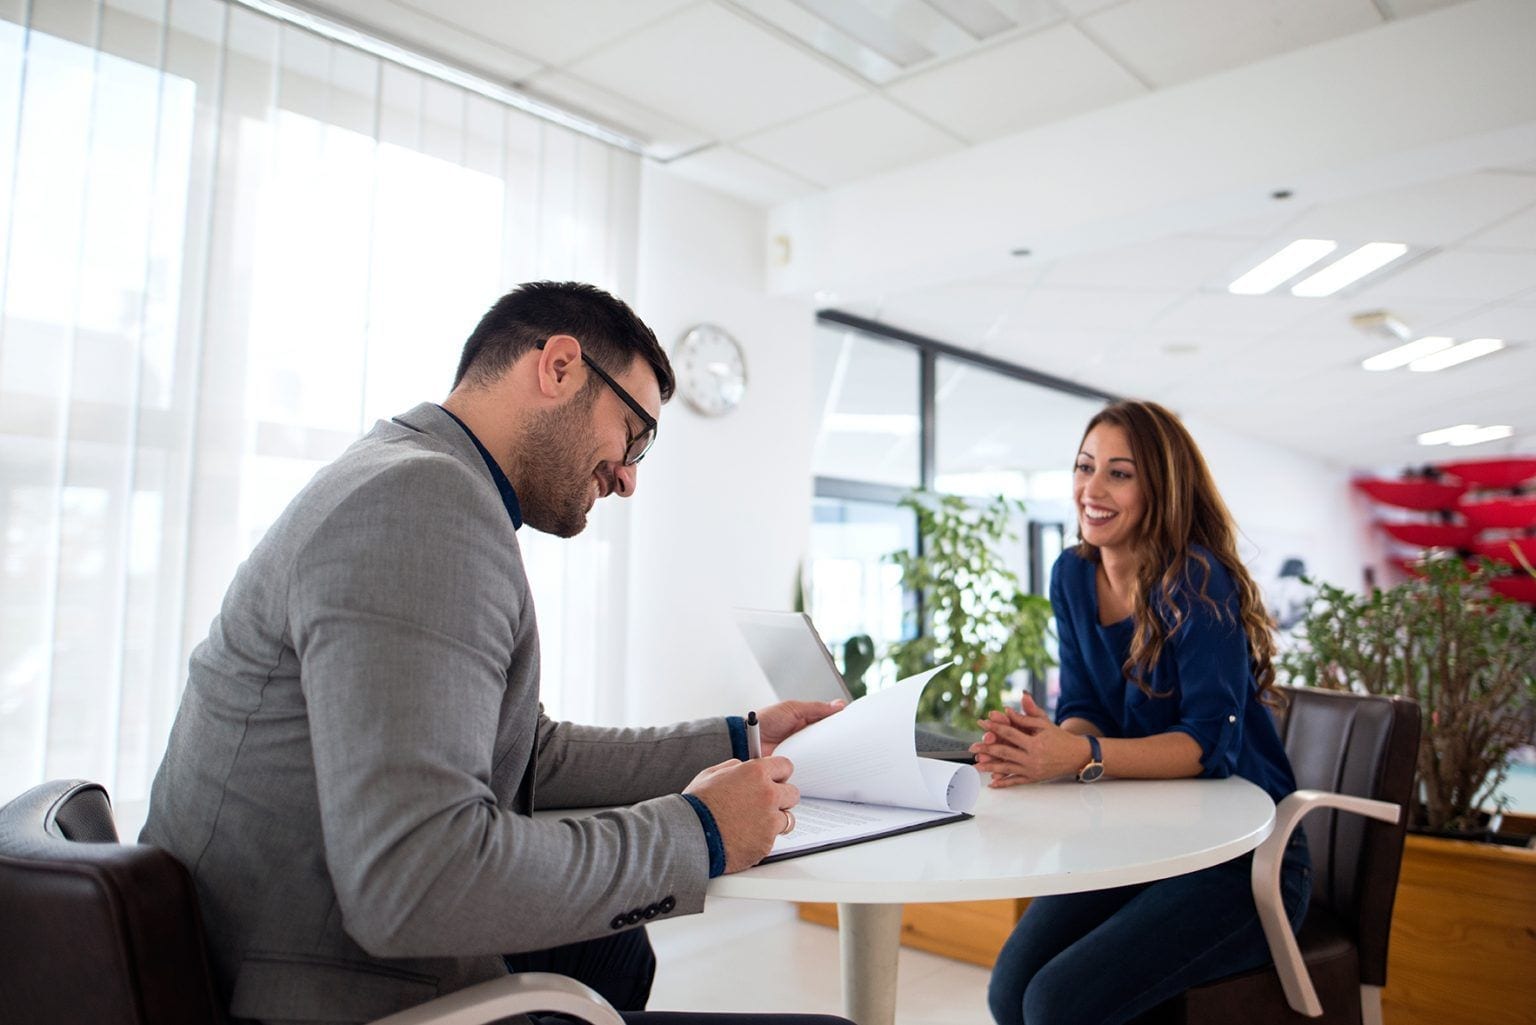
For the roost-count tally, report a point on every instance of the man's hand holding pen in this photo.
(751, 800)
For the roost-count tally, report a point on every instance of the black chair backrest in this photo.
(94, 931)
(1366, 746)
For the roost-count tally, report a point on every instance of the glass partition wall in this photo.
(901, 412)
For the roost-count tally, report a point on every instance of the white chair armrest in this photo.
(1294, 977)
(523, 993)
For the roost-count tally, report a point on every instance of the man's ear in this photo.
(557, 363)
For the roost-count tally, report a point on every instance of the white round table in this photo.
(1025, 841)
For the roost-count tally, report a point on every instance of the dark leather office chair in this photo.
(1351, 753)
(96, 931)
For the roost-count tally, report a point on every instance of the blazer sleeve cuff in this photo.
(711, 834)
(738, 729)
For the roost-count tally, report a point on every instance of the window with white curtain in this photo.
(229, 246)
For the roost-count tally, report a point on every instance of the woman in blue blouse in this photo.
(1165, 671)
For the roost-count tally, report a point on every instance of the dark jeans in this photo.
(1105, 957)
(621, 967)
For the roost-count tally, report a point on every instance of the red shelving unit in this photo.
(1493, 473)
(1505, 549)
(1431, 535)
(1507, 513)
(1423, 495)
(1483, 507)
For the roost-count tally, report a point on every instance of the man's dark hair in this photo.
(608, 330)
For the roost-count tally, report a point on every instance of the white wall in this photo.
(722, 515)
(1290, 505)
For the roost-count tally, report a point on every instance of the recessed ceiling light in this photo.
(1457, 354)
(1349, 269)
(1466, 434)
(1405, 354)
(1283, 266)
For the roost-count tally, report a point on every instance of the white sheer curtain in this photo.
(229, 246)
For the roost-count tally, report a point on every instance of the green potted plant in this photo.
(975, 612)
(1466, 655)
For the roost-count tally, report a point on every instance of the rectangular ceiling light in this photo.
(978, 17)
(1481, 434)
(868, 29)
(1348, 269)
(1283, 266)
(1456, 354)
(1406, 354)
(1466, 434)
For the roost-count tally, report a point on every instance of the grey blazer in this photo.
(360, 742)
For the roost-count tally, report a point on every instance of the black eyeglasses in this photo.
(638, 444)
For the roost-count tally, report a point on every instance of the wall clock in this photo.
(711, 369)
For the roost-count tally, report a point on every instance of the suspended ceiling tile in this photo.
(1172, 41)
(432, 35)
(1087, 309)
(1018, 84)
(715, 71)
(1433, 214)
(965, 313)
(1517, 231)
(738, 174)
(1213, 312)
(1408, 8)
(880, 41)
(1180, 262)
(551, 31)
(663, 137)
(1276, 219)
(1078, 8)
(852, 140)
(1464, 275)
(1511, 323)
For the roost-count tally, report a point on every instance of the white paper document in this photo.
(860, 776)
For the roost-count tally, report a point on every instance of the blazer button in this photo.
(667, 904)
(1231, 718)
(651, 910)
(634, 916)
(619, 921)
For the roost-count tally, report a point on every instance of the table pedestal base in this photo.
(869, 937)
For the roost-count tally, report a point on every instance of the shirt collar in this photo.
(504, 486)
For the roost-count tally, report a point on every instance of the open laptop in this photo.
(800, 668)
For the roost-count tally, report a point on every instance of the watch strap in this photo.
(1095, 766)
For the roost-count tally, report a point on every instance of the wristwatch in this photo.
(1095, 767)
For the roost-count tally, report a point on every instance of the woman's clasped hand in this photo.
(1027, 747)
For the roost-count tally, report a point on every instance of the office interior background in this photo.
(237, 233)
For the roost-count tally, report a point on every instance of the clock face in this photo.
(711, 371)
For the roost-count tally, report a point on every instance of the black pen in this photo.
(754, 741)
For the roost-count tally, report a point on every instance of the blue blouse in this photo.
(1203, 670)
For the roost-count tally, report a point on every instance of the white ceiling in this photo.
(1387, 119)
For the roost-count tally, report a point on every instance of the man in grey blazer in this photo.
(360, 743)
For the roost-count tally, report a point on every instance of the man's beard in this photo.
(558, 461)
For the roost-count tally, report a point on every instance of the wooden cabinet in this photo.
(1463, 935)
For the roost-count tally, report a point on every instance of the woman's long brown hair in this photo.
(1181, 508)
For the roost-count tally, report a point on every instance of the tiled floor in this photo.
(745, 955)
